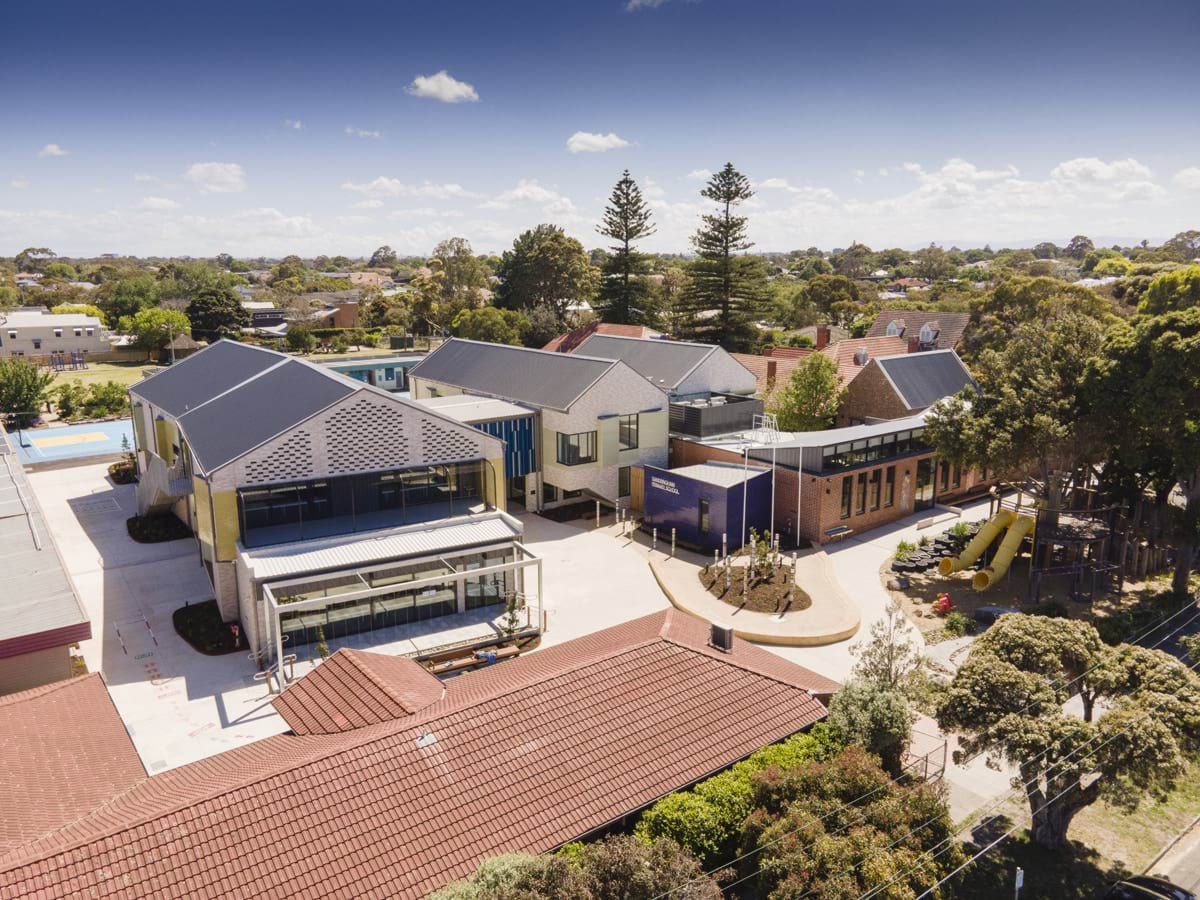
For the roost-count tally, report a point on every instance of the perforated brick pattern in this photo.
(365, 436)
(440, 443)
(291, 460)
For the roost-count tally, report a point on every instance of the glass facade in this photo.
(576, 449)
(869, 450)
(627, 432)
(328, 506)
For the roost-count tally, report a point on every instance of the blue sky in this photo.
(271, 128)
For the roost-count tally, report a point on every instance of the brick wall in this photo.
(871, 395)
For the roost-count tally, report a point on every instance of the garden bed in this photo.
(156, 528)
(122, 473)
(201, 626)
(766, 595)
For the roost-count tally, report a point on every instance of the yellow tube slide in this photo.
(985, 578)
(982, 540)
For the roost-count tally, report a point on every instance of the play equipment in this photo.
(1017, 531)
(988, 533)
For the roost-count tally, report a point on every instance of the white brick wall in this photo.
(721, 373)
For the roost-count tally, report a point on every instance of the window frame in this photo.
(889, 487)
(860, 494)
(624, 429)
(578, 449)
(847, 496)
(875, 489)
(624, 481)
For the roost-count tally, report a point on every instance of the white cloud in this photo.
(1189, 178)
(53, 150)
(425, 212)
(591, 142)
(860, 174)
(528, 190)
(883, 171)
(19, 184)
(653, 190)
(442, 87)
(394, 187)
(699, 174)
(294, 124)
(362, 133)
(1118, 180)
(157, 203)
(141, 176)
(216, 177)
(369, 203)
(635, 5)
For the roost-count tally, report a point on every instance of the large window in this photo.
(577, 449)
(889, 486)
(860, 506)
(627, 432)
(875, 480)
(874, 449)
(847, 495)
(624, 474)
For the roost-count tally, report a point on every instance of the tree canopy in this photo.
(496, 326)
(215, 312)
(546, 268)
(624, 293)
(153, 326)
(809, 400)
(23, 388)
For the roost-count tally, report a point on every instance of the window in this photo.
(876, 477)
(12, 334)
(389, 374)
(627, 432)
(943, 476)
(58, 332)
(956, 477)
(549, 493)
(37, 343)
(702, 523)
(860, 505)
(90, 331)
(577, 449)
(889, 486)
(847, 494)
(78, 332)
(623, 480)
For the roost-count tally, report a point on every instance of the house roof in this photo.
(950, 325)
(65, 753)
(352, 689)
(665, 363)
(38, 605)
(202, 376)
(921, 379)
(569, 342)
(520, 756)
(536, 377)
(843, 353)
(761, 366)
(33, 318)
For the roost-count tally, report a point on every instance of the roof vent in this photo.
(426, 739)
(721, 637)
(861, 355)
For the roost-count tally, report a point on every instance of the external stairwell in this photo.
(161, 484)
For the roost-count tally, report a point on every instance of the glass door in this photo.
(923, 499)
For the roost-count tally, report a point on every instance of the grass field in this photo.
(125, 373)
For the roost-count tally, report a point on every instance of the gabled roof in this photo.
(950, 325)
(922, 379)
(535, 377)
(569, 342)
(665, 363)
(352, 689)
(521, 756)
(66, 753)
(844, 352)
(204, 375)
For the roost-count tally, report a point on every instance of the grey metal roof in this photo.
(536, 377)
(204, 375)
(469, 409)
(256, 410)
(36, 595)
(717, 473)
(666, 363)
(922, 379)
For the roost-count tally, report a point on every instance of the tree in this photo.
(890, 655)
(543, 326)
(1179, 289)
(383, 258)
(85, 309)
(1112, 265)
(496, 326)
(1018, 299)
(853, 261)
(1079, 247)
(1184, 247)
(33, 259)
(1025, 419)
(61, 270)
(933, 263)
(466, 277)
(216, 312)
(388, 312)
(624, 294)
(545, 268)
(23, 389)
(300, 339)
(289, 267)
(153, 327)
(125, 296)
(876, 718)
(1143, 392)
(810, 399)
(833, 295)
(1008, 699)
(728, 289)
(672, 300)
(429, 310)
(1046, 250)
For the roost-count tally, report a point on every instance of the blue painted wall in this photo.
(673, 501)
(518, 437)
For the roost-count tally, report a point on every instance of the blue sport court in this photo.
(43, 445)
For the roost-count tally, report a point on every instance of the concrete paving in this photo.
(1181, 862)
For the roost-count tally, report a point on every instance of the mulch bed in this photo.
(765, 596)
(156, 528)
(201, 626)
(122, 473)
(570, 512)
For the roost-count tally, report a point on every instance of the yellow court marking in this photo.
(64, 440)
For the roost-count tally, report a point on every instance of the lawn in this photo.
(124, 373)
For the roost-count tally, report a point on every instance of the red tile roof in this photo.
(788, 352)
(65, 753)
(843, 353)
(352, 689)
(950, 325)
(567, 343)
(786, 359)
(521, 756)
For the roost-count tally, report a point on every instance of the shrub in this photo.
(1052, 609)
(876, 718)
(923, 542)
(958, 625)
(156, 528)
(959, 531)
(904, 550)
(200, 624)
(300, 339)
(123, 472)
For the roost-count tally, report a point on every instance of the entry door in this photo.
(923, 499)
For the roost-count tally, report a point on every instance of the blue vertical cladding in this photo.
(518, 437)
(673, 501)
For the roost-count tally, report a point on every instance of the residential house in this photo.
(894, 387)
(570, 341)
(596, 418)
(323, 506)
(923, 329)
(851, 355)
(392, 783)
(38, 334)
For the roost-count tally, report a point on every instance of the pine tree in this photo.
(728, 289)
(625, 296)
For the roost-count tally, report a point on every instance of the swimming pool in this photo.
(41, 445)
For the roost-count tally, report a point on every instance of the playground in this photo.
(40, 446)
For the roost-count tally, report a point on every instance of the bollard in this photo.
(597, 513)
(745, 581)
(716, 558)
(724, 548)
(672, 543)
(654, 540)
(728, 580)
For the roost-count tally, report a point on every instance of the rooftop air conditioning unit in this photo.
(721, 637)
